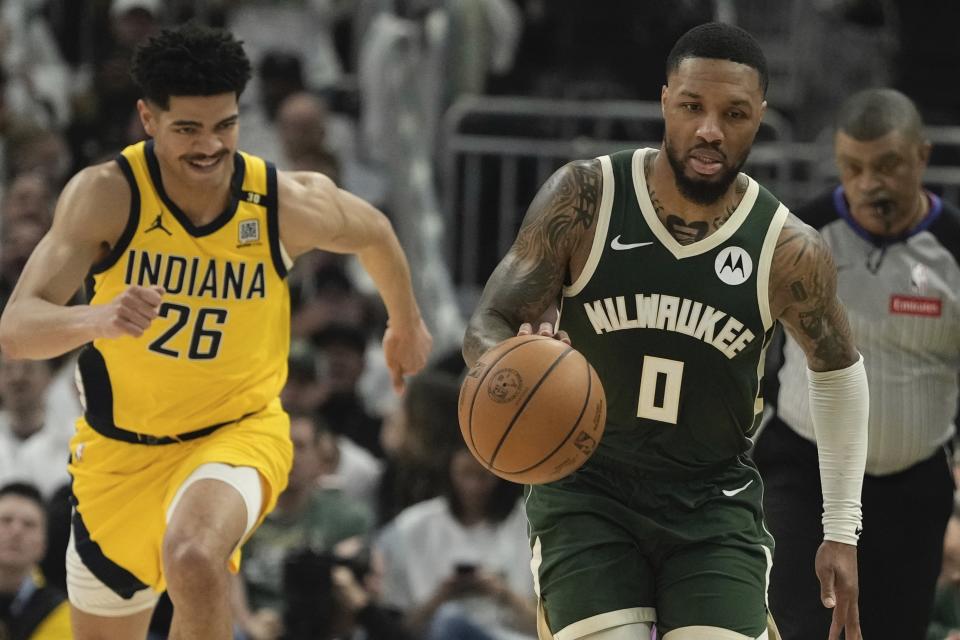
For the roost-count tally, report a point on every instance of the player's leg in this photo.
(99, 613)
(588, 571)
(714, 559)
(793, 506)
(212, 512)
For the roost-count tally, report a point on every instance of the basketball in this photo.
(532, 409)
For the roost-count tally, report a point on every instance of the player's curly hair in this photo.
(191, 60)
(720, 41)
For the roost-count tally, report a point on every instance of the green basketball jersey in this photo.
(677, 333)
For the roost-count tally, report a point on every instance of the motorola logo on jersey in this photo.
(733, 265)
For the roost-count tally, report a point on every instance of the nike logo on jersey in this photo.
(732, 492)
(616, 245)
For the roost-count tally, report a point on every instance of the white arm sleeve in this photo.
(839, 406)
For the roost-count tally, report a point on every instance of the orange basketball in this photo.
(532, 409)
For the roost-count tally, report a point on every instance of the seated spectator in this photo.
(306, 516)
(29, 196)
(18, 238)
(334, 596)
(340, 362)
(31, 449)
(417, 437)
(460, 563)
(29, 610)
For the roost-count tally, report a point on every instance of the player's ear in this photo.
(147, 118)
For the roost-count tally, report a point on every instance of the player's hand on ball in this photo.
(545, 329)
(130, 313)
(836, 567)
(405, 348)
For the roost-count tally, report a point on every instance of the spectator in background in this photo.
(302, 131)
(105, 101)
(18, 238)
(458, 563)
(417, 438)
(340, 352)
(345, 465)
(31, 448)
(45, 151)
(28, 609)
(37, 87)
(897, 250)
(306, 516)
(29, 196)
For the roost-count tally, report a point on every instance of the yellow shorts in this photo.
(122, 490)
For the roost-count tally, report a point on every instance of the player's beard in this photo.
(701, 191)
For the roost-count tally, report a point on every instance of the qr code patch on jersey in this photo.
(249, 231)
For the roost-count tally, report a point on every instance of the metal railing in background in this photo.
(497, 151)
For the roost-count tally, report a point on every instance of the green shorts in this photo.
(612, 547)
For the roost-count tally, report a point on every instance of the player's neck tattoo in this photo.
(684, 231)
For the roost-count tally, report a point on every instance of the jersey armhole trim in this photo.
(278, 254)
(766, 261)
(133, 221)
(600, 234)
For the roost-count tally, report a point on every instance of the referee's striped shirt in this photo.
(903, 301)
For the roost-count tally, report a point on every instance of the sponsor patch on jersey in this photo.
(248, 232)
(733, 265)
(916, 306)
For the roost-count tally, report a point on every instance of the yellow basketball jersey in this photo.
(218, 350)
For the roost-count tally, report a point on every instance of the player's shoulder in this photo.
(102, 183)
(800, 248)
(297, 181)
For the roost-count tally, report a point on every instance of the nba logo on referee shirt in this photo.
(248, 232)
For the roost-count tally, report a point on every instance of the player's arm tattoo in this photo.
(529, 278)
(803, 295)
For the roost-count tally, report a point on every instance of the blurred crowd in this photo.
(388, 528)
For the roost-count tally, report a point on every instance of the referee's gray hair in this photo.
(872, 113)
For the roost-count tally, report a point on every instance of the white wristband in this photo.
(840, 406)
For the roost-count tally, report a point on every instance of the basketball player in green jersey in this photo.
(671, 268)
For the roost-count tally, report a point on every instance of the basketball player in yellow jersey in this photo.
(183, 446)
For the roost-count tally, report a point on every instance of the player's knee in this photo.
(192, 562)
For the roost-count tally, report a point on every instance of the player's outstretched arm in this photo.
(90, 216)
(315, 214)
(803, 295)
(529, 278)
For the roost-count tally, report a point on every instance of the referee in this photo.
(897, 250)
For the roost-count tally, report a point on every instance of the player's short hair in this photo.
(191, 60)
(720, 41)
(873, 113)
(24, 490)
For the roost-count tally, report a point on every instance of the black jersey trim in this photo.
(133, 221)
(273, 220)
(119, 580)
(97, 390)
(236, 184)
